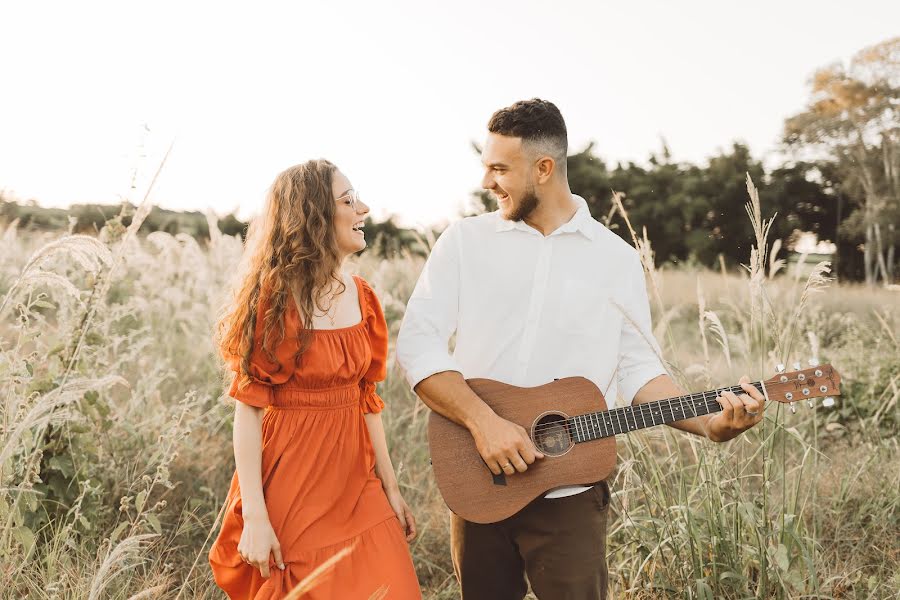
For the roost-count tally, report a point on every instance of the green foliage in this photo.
(91, 218)
(385, 238)
(388, 240)
(696, 213)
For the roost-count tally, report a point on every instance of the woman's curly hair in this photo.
(290, 252)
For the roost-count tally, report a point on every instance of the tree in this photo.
(853, 121)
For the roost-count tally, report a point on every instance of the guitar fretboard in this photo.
(605, 423)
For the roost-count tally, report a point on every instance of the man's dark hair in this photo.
(539, 124)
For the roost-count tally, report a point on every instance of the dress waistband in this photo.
(297, 398)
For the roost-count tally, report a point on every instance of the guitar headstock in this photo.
(818, 381)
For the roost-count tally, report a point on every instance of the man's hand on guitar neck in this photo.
(504, 446)
(739, 413)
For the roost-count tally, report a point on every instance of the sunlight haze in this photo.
(394, 93)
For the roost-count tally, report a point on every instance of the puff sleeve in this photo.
(263, 373)
(376, 327)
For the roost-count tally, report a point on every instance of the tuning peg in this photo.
(796, 366)
(814, 362)
(828, 402)
(811, 403)
(779, 368)
(793, 408)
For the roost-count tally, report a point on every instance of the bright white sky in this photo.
(393, 92)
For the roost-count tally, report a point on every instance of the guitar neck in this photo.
(606, 423)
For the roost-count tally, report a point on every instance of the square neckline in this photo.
(362, 320)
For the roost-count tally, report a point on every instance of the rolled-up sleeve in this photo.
(640, 358)
(431, 313)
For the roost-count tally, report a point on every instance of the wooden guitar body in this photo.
(475, 494)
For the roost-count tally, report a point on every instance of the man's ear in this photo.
(546, 168)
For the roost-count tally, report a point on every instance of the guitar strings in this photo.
(710, 403)
(621, 410)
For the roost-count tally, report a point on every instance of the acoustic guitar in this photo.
(568, 421)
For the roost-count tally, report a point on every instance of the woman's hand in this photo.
(404, 514)
(258, 541)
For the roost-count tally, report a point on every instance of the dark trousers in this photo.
(560, 543)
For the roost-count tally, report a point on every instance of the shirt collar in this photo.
(580, 222)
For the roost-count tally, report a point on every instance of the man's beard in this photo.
(525, 207)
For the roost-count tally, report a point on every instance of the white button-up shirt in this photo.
(527, 308)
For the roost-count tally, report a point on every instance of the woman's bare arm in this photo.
(384, 469)
(258, 539)
(247, 438)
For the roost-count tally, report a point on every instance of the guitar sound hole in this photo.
(551, 436)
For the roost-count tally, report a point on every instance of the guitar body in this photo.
(474, 493)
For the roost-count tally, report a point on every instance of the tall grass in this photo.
(115, 449)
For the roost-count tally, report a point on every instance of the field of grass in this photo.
(115, 440)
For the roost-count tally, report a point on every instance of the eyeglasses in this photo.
(353, 196)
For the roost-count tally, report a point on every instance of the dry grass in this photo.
(116, 446)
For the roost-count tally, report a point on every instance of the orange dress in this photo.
(318, 467)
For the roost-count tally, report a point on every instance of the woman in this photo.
(308, 344)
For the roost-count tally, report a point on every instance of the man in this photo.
(535, 291)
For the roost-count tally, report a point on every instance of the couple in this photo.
(524, 289)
